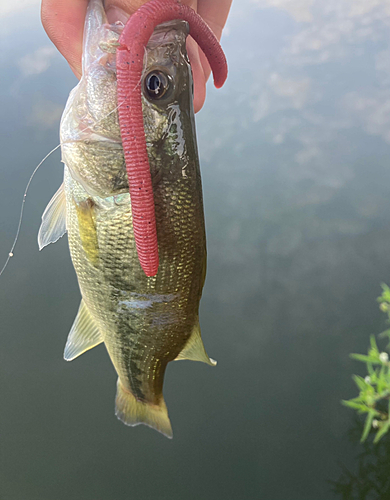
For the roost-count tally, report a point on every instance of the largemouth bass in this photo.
(144, 321)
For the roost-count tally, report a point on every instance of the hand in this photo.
(63, 21)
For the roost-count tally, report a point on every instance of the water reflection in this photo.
(7, 8)
(36, 62)
(300, 10)
(370, 477)
(294, 153)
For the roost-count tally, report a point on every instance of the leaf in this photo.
(361, 383)
(356, 406)
(385, 297)
(380, 389)
(366, 359)
(381, 384)
(367, 426)
(371, 372)
(382, 431)
(373, 343)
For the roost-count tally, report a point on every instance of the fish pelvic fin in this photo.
(83, 335)
(53, 225)
(194, 348)
(134, 412)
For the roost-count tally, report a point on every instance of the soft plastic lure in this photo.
(129, 61)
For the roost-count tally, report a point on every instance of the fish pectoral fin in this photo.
(83, 335)
(53, 224)
(87, 229)
(134, 412)
(194, 348)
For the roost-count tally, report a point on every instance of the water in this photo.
(294, 152)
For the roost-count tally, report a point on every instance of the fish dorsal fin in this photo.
(194, 348)
(83, 335)
(53, 224)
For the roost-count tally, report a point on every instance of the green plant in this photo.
(368, 478)
(374, 389)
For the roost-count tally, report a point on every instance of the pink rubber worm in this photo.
(129, 62)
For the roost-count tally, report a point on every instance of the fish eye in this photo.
(157, 84)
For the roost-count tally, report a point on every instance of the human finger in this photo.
(63, 21)
(215, 14)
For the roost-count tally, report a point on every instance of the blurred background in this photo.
(295, 161)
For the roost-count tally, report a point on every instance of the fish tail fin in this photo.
(133, 412)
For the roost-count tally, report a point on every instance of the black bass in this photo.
(144, 321)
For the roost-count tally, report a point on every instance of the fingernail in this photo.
(115, 14)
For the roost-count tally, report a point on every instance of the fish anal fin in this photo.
(194, 348)
(134, 412)
(53, 224)
(83, 335)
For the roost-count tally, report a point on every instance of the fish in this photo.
(144, 321)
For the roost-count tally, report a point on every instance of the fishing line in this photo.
(11, 252)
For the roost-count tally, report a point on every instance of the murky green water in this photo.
(295, 157)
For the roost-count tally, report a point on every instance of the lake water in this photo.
(295, 161)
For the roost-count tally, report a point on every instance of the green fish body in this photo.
(144, 322)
